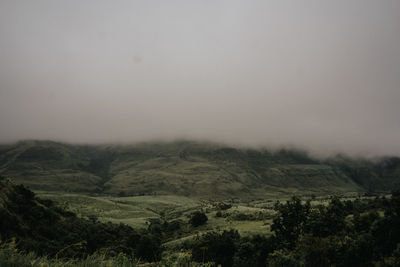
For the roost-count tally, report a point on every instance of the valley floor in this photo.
(248, 217)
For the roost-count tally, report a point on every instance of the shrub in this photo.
(216, 247)
(198, 218)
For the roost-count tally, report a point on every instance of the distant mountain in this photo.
(201, 170)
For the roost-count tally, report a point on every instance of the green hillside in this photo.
(39, 226)
(192, 169)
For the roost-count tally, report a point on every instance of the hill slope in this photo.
(189, 168)
(39, 225)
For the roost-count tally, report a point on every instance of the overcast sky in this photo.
(320, 75)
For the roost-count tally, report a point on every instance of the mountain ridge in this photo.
(190, 168)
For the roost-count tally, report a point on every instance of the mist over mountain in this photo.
(322, 76)
(192, 169)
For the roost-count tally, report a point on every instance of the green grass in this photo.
(11, 257)
(139, 210)
(134, 211)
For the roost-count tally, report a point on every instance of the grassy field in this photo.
(134, 211)
(248, 217)
(139, 211)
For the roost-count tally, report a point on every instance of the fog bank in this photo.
(320, 75)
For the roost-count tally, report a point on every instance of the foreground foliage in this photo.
(11, 256)
(41, 227)
(341, 233)
(360, 232)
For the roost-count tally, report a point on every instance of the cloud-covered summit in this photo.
(320, 75)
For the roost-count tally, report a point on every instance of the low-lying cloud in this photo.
(321, 75)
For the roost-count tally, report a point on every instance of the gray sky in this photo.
(321, 75)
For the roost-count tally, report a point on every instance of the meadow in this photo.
(139, 211)
(250, 217)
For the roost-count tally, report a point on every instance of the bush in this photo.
(198, 218)
(216, 247)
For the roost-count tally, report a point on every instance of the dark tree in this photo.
(216, 247)
(290, 221)
(198, 218)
